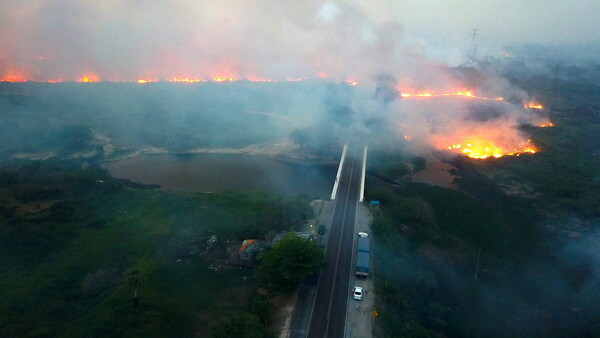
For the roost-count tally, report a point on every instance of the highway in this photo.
(328, 316)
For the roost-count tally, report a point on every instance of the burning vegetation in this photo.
(465, 93)
(482, 149)
(465, 122)
(533, 106)
(446, 129)
(19, 77)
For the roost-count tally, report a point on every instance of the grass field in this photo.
(62, 266)
(513, 251)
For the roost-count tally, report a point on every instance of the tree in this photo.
(135, 278)
(289, 262)
(242, 325)
(419, 163)
(262, 308)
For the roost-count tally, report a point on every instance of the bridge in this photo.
(330, 297)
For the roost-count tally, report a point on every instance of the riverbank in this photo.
(283, 150)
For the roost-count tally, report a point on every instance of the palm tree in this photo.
(135, 278)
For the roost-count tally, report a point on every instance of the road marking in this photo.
(319, 279)
(337, 259)
(352, 261)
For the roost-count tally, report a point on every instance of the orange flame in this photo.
(142, 81)
(545, 125)
(481, 149)
(222, 79)
(186, 79)
(88, 78)
(14, 76)
(533, 105)
(464, 93)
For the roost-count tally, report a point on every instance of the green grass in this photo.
(66, 278)
(428, 238)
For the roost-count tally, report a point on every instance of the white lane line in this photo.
(339, 172)
(352, 279)
(337, 260)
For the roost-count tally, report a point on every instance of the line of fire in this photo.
(474, 146)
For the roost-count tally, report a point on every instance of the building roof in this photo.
(246, 243)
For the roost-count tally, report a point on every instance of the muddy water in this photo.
(217, 172)
(436, 173)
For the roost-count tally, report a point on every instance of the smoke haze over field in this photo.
(411, 44)
(129, 40)
(124, 40)
(393, 74)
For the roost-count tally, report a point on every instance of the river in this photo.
(219, 172)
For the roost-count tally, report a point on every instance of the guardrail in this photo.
(361, 196)
(339, 173)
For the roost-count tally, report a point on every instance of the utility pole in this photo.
(473, 52)
(477, 267)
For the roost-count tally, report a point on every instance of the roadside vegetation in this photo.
(511, 252)
(288, 263)
(84, 254)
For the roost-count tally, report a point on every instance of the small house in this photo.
(250, 248)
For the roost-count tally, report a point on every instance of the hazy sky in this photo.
(353, 39)
(499, 22)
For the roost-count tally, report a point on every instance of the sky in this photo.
(499, 22)
(125, 40)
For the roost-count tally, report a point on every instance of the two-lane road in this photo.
(328, 317)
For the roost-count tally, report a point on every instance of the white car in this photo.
(357, 293)
(363, 234)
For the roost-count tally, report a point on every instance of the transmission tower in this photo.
(473, 51)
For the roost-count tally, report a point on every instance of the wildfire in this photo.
(186, 79)
(417, 95)
(142, 81)
(545, 125)
(533, 106)
(259, 79)
(223, 79)
(481, 149)
(86, 78)
(13, 76)
(466, 93)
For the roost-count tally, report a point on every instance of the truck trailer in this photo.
(362, 264)
(362, 244)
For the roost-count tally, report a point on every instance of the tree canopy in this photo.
(241, 325)
(288, 262)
